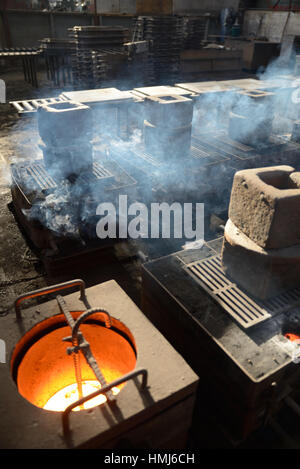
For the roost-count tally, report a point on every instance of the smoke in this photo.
(56, 211)
(166, 174)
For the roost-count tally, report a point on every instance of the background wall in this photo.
(163, 6)
(282, 5)
(194, 6)
(270, 24)
(26, 28)
(116, 6)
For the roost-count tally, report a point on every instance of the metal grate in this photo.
(147, 157)
(99, 172)
(40, 175)
(198, 153)
(245, 309)
(29, 107)
(44, 181)
(221, 144)
(203, 152)
(236, 144)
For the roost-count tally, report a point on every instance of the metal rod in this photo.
(24, 68)
(17, 106)
(47, 66)
(48, 290)
(63, 306)
(85, 346)
(29, 70)
(26, 72)
(88, 313)
(117, 382)
(79, 343)
(34, 65)
(28, 106)
(35, 103)
(76, 355)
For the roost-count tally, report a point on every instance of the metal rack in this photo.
(29, 61)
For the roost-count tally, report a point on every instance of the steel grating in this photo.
(198, 153)
(36, 171)
(147, 157)
(205, 153)
(245, 309)
(224, 145)
(30, 106)
(44, 181)
(99, 173)
(41, 177)
(236, 144)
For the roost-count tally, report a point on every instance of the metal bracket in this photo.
(108, 387)
(48, 290)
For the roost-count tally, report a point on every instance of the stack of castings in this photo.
(165, 34)
(89, 68)
(91, 62)
(58, 57)
(99, 37)
(195, 31)
(66, 131)
(168, 127)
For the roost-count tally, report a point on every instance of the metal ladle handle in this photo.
(48, 290)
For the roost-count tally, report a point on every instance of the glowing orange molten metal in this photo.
(45, 373)
(292, 337)
(66, 396)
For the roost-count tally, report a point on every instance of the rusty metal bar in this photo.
(63, 306)
(117, 382)
(76, 356)
(79, 343)
(85, 315)
(84, 346)
(48, 290)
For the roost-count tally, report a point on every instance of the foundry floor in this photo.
(21, 271)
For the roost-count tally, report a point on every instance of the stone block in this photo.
(248, 129)
(64, 123)
(169, 111)
(251, 119)
(167, 144)
(265, 205)
(262, 273)
(66, 161)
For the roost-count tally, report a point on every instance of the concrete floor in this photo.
(19, 268)
(21, 271)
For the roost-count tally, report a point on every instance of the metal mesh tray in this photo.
(244, 308)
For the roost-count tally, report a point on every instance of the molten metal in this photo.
(69, 394)
(44, 372)
(292, 337)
